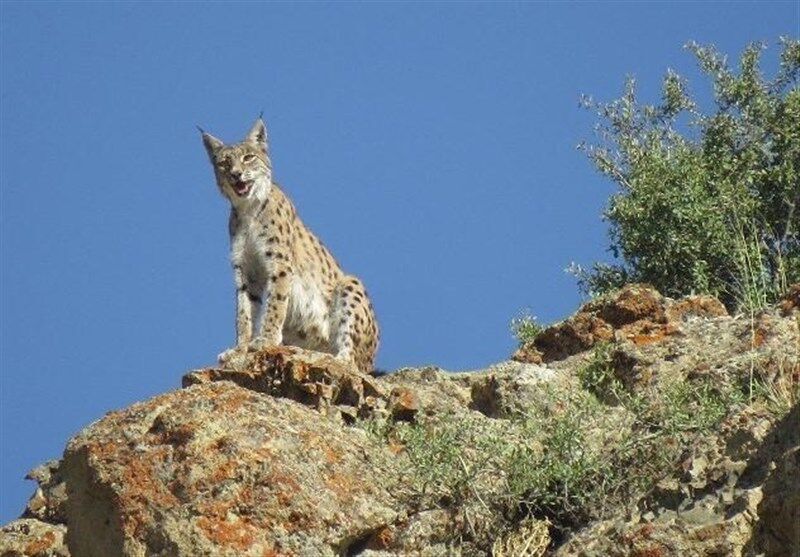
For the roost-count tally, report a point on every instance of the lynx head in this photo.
(243, 170)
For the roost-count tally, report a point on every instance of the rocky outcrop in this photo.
(48, 503)
(734, 494)
(216, 469)
(637, 312)
(289, 452)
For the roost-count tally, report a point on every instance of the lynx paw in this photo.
(227, 355)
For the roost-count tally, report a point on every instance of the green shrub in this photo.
(564, 481)
(597, 374)
(707, 202)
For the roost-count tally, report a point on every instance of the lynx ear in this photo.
(212, 143)
(258, 134)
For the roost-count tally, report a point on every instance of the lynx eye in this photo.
(248, 158)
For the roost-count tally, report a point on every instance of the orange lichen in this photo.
(239, 535)
(632, 303)
(648, 551)
(40, 545)
(297, 522)
(141, 488)
(224, 471)
(232, 401)
(646, 332)
(701, 306)
(331, 456)
(343, 487)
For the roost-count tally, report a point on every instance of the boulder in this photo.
(48, 502)
(636, 312)
(312, 378)
(216, 469)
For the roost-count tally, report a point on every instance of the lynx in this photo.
(287, 283)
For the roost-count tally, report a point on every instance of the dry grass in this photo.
(530, 539)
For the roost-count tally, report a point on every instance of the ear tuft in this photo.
(212, 143)
(258, 134)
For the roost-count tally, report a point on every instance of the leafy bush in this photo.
(707, 202)
(597, 374)
(565, 480)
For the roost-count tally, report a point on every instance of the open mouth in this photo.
(242, 188)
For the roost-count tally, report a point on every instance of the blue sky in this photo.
(430, 146)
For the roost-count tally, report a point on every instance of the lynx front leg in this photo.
(274, 314)
(244, 314)
(244, 309)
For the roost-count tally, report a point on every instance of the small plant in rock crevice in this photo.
(525, 328)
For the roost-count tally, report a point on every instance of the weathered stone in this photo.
(576, 334)
(695, 306)
(256, 457)
(311, 378)
(527, 354)
(631, 303)
(510, 393)
(714, 506)
(219, 470)
(435, 391)
(636, 313)
(29, 537)
(425, 533)
(48, 501)
(403, 404)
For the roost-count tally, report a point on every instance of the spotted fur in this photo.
(287, 282)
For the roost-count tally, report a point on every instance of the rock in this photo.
(510, 392)
(527, 354)
(49, 500)
(631, 303)
(424, 533)
(776, 470)
(738, 494)
(435, 391)
(703, 306)
(791, 300)
(311, 378)
(636, 305)
(577, 334)
(636, 313)
(215, 469)
(30, 537)
(403, 404)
